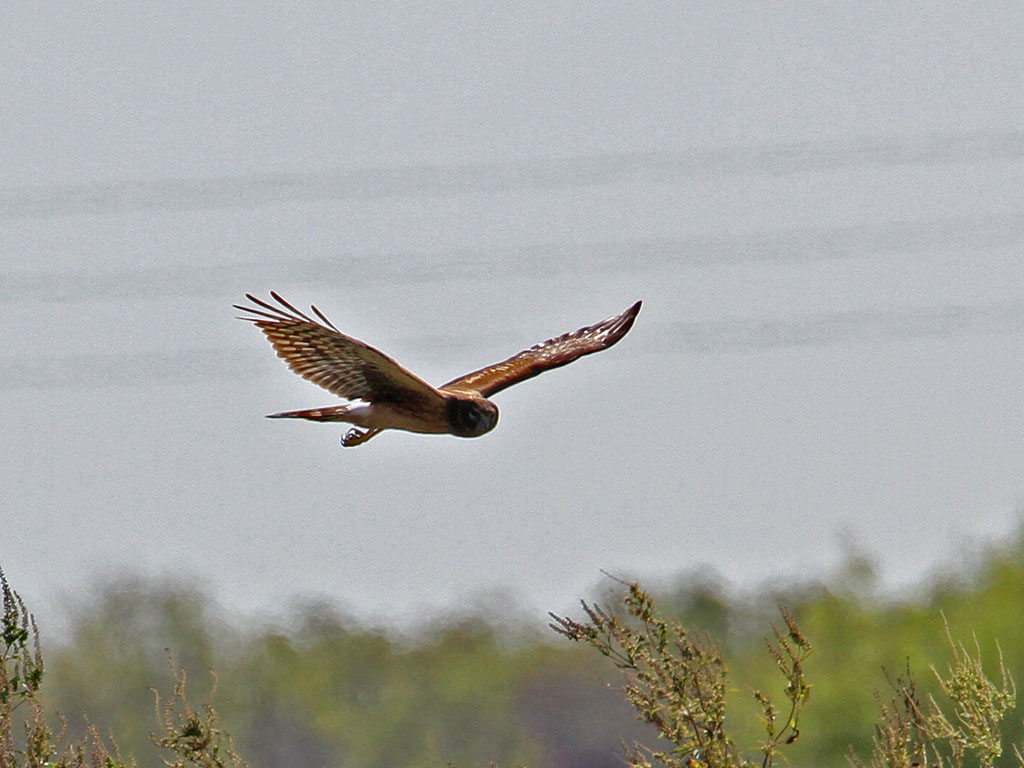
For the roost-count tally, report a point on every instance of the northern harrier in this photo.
(393, 398)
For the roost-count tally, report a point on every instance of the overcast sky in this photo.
(819, 203)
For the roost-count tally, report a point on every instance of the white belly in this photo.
(384, 416)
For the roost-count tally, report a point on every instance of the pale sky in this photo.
(820, 205)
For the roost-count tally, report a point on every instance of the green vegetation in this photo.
(889, 684)
(188, 738)
(678, 683)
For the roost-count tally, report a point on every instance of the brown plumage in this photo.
(393, 397)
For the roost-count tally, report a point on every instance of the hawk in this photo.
(394, 398)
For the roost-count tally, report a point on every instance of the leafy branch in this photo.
(916, 733)
(677, 682)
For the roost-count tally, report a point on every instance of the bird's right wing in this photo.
(322, 354)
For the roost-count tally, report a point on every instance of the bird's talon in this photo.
(356, 437)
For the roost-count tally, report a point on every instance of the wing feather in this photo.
(320, 353)
(552, 353)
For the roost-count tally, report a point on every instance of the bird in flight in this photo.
(394, 398)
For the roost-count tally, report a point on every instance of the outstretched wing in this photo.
(322, 354)
(549, 354)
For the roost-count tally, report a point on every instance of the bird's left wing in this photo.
(546, 355)
(322, 354)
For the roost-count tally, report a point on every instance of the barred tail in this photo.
(332, 413)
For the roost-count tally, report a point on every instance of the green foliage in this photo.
(191, 738)
(677, 683)
(913, 733)
(21, 673)
(321, 690)
(127, 629)
(21, 667)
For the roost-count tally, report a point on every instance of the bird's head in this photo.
(471, 416)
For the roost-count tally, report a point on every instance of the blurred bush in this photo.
(319, 689)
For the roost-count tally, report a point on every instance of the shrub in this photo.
(190, 737)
